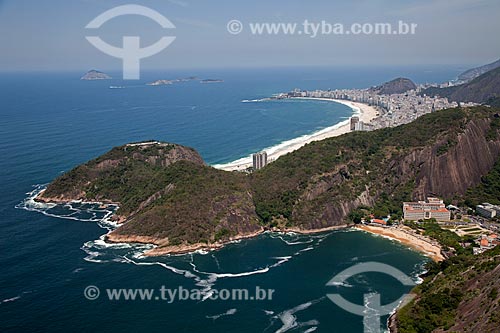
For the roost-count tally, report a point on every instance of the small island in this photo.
(211, 81)
(164, 82)
(160, 83)
(95, 75)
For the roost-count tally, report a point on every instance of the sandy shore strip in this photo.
(408, 237)
(314, 231)
(162, 248)
(366, 113)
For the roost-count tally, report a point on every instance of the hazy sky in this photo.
(50, 34)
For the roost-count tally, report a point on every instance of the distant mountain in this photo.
(483, 89)
(95, 75)
(471, 74)
(396, 86)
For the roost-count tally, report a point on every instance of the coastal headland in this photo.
(168, 196)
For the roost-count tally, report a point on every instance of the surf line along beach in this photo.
(366, 114)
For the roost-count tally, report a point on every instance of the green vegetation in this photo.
(445, 147)
(446, 238)
(306, 186)
(487, 191)
(459, 292)
(165, 191)
(492, 134)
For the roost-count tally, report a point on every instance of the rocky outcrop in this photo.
(396, 86)
(79, 182)
(461, 167)
(451, 157)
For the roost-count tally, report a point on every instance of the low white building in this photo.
(488, 210)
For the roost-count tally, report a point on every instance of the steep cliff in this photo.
(168, 195)
(441, 154)
(462, 294)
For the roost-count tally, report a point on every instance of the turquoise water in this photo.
(52, 122)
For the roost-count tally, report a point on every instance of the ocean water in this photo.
(51, 122)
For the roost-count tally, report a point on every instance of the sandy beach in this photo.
(408, 237)
(365, 113)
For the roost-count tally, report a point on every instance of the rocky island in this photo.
(95, 75)
(164, 82)
(169, 197)
(211, 81)
(160, 83)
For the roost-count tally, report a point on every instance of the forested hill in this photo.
(169, 196)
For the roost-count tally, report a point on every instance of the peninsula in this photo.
(169, 197)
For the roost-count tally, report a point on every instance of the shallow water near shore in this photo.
(53, 122)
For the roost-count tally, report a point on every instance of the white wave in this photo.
(255, 100)
(289, 320)
(100, 251)
(310, 248)
(312, 329)
(282, 146)
(73, 212)
(269, 313)
(10, 299)
(229, 312)
(281, 237)
(340, 284)
(292, 142)
(216, 261)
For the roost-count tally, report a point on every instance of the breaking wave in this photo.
(186, 265)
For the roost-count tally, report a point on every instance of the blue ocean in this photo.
(51, 122)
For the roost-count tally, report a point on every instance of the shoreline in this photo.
(407, 237)
(161, 250)
(365, 112)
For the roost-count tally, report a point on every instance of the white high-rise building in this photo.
(259, 160)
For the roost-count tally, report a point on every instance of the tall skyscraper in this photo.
(259, 160)
(354, 122)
